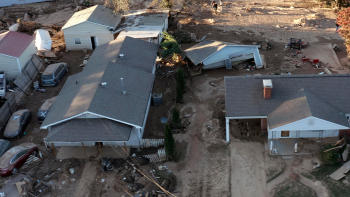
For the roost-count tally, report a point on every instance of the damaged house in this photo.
(16, 49)
(145, 24)
(290, 107)
(90, 28)
(108, 101)
(216, 54)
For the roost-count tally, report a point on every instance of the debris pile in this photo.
(308, 21)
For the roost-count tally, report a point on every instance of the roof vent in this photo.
(121, 80)
(104, 84)
(121, 56)
(267, 88)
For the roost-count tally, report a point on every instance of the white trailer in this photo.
(43, 40)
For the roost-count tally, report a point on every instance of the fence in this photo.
(7, 109)
(146, 143)
(25, 79)
(29, 73)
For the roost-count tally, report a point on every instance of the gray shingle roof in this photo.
(96, 14)
(93, 129)
(83, 92)
(293, 97)
(200, 51)
(304, 104)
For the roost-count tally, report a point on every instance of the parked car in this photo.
(2, 84)
(53, 74)
(16, 157)
(44, 109)
(4, 146)
(17, 124)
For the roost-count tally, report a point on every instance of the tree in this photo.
(169, 143)
(176, 121)
(166, 4)
(344, 21)
(330, 157)
(170, 45)
(179, 93)
(119, 6)
(181, 79)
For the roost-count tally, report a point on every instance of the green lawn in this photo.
(291, 188)
(335, 188)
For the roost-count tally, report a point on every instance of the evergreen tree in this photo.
(169, 143)
(176, 121)
(179, 93)
(181, 79)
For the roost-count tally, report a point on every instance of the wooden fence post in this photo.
(54, 150)
(82, 143)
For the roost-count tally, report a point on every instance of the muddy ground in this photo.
(206, 165)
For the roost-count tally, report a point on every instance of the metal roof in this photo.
(97, 14)
(14, 43)
(142, 32)
(83, 92)
(146, 17)
(200, 51)
(93, 129)
(293, 97)
(5, 3)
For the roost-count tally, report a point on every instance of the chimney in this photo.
(267, 88)
(124, 92)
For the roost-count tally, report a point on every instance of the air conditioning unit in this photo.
(157, 99)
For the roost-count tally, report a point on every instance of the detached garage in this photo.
(16, 50)
(90, 28)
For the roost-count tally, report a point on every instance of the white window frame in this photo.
(76, 39)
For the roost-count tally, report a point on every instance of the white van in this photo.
(43, 40)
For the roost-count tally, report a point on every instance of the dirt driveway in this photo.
(247, 169)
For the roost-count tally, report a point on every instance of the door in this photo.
(94, 42)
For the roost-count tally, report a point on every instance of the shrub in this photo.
(179, 93)
(169, 143)
(181, 79)
(166, 4)
(330, 157)
(169, 45)
(344, 21)
(176, 121)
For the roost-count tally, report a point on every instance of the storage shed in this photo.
(215, 54)
(43, 40)
(90, 28)
(16, 49)
(145, 24)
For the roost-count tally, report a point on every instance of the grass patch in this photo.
(291, 188)
(335, 188)
(307, 176)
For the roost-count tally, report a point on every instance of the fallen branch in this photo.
(333, 148)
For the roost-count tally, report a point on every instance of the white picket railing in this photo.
(146, 143)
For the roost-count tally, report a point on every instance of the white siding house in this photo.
(90, 28)
(145, 25)
(108, 115)
(293, 107)
(217, 54)
(16, 49)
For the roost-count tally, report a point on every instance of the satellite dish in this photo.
(164, 120)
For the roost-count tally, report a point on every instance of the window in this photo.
(284, 133)
(18, 155)
(77, 40)
(58, 70)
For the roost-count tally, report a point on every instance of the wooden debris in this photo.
(333, 148)
(340, 173)
(339, 141)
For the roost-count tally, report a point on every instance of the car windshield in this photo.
(45, 77)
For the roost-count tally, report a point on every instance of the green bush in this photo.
(169, 45)
(181, 79)
(179, 93)
(169, 143)
(330, 157)
(176, 121)
(166, 4)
